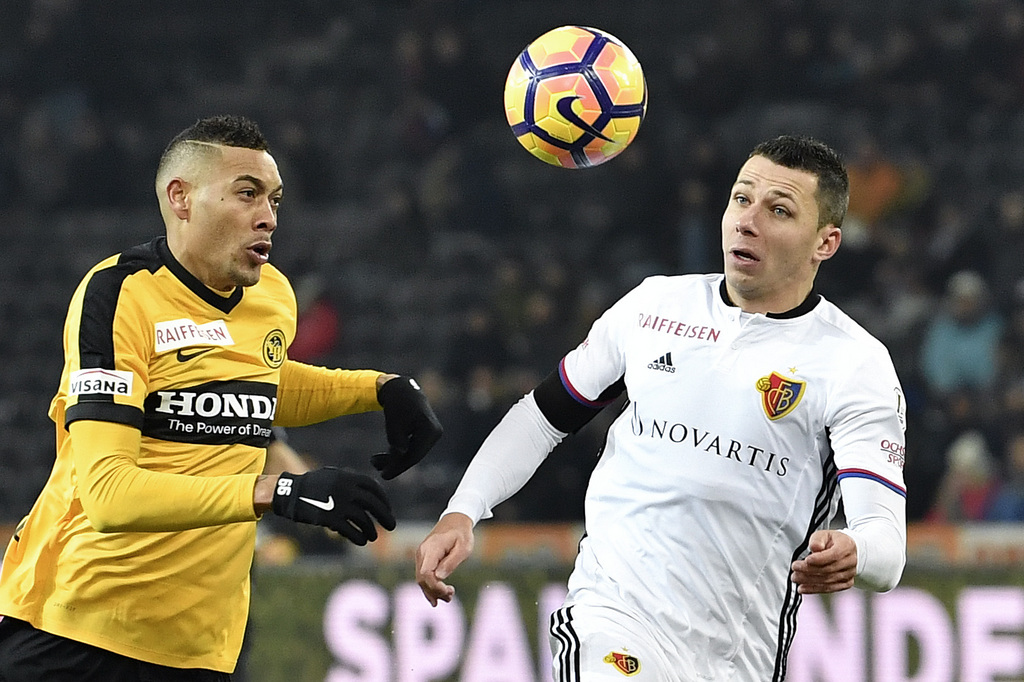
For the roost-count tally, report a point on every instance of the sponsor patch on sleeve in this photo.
(100, 381)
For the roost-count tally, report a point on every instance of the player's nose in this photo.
(745, 223)
(266, 218)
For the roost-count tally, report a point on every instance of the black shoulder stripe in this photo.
(565, 412)
(99, 305)
(144, 256)
(96, 333)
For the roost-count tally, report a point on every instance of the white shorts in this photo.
(599, 644)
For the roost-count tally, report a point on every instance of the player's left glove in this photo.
(410, 423)
(342, 500)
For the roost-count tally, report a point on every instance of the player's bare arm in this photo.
(263, 493)
(441, 552)
(830, 567)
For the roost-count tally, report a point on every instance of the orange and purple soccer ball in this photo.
(575, 97)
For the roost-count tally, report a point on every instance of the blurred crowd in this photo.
(421, 238)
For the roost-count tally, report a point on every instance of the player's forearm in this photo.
(880, 556)
(117, 495)
(263, 493)
(506, 460)
(877, 523)
(126, 501)
(308, 394)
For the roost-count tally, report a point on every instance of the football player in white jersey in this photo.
(754, 407)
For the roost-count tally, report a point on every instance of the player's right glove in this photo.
(411, 426)
(339, 499)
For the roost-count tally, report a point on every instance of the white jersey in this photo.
(738, 431)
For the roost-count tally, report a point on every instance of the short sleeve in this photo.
(867, 422)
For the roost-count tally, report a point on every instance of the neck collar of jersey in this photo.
(221, 303)
(802, 309)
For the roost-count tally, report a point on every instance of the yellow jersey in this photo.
(142, 539)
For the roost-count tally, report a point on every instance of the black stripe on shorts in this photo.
(567, 666)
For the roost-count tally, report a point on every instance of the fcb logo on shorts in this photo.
(624, 663)
(779, 395)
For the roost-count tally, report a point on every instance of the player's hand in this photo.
(445, 547)
(339, 499)
(411, 425)
(830, 567)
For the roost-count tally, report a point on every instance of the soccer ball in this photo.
(575, 97)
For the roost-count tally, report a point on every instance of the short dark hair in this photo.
(227, 130)
(231, 131)
(816, 157)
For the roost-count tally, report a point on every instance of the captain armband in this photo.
(564, 408)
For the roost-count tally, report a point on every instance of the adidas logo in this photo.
(664, 363)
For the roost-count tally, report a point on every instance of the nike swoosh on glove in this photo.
(339, 499)
(410, 423)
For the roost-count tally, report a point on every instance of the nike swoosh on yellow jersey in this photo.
(183, 357)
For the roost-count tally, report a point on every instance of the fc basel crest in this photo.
(273, 349)
(780, 395)
(624, 663)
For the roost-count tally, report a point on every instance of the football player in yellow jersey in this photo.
(133, 563)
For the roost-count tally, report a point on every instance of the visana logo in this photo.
(209, 404)
(100, 381)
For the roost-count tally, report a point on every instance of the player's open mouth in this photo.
(745, 256)
(260, 252)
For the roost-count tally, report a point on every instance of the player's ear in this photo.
(829, 238)
(178, 197)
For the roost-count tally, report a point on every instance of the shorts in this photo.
(31, 655)
(599, 644)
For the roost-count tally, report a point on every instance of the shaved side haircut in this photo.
(202, 139)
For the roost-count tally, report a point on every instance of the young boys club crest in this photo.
(780, 395)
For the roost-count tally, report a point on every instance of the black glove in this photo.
(411, 425)
(340, 499)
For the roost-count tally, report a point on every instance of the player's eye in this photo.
(740, 199)
(781, 211)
